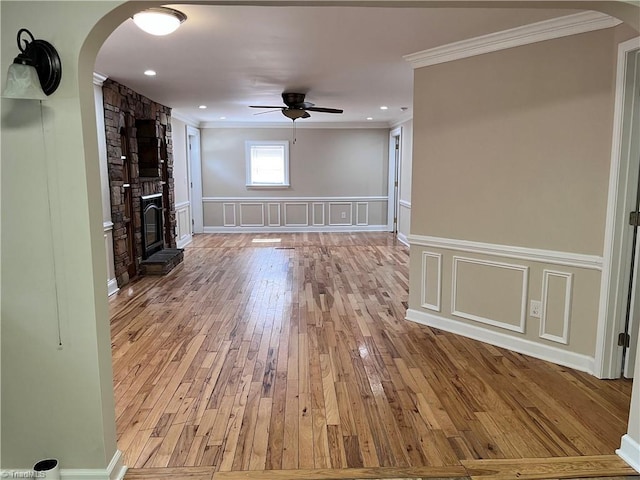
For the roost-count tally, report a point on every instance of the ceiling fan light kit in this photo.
(159, 21)
(295, 106)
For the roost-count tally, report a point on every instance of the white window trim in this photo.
(247, 146)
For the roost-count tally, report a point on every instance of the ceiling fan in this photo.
(295, 106)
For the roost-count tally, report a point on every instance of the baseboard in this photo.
(629, 451)
(402, 238)
(116, 470)
(112, 286)
(183, 242)
(307, 228)
(548, 353)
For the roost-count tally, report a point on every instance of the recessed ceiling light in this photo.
(384, 107)
(369, 118)
(159, 20)
(223, 118)
(202, 107)
(150, 73)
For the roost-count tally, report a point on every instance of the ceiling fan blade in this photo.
(264, 106)
(325, 110)
(268, 111)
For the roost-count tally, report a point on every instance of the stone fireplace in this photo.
(140, 166)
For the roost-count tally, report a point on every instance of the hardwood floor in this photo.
(295, 355)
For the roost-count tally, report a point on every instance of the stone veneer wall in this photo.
(122, 108)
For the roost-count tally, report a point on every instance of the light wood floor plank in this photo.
(296, 357)
(546, 468)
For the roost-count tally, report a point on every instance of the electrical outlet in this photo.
(344, 214)
(535, 308)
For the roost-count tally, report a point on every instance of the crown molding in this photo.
(536, 32)
(185, 118)
(98, 78)
(405, 117)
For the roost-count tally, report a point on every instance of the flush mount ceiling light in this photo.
(159, 20)
(35, 72)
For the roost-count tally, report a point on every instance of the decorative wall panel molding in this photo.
(294, 214)
(183, 224)
(591, 262)
(229, 214)
(548, 315)
(429, 289)
(273, 216)
(317, 217)
(499, 302)
(362, 213)
(292, 219)
(344, 209)
(251, 210)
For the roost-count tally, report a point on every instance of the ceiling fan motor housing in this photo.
(293, 100)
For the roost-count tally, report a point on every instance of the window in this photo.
(267, 164)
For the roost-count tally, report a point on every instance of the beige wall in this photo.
(512, 150)
(513, 147)
(326, 165)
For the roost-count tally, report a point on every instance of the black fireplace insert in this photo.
(151, 208)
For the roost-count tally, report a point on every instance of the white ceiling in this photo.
(230, 57)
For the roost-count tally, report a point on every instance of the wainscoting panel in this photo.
(273, 216)
(318, 213)
(556, 306)
(229, 214)
(296, 215)
(504, 305)
(112, 282)
(431, 280)
(340, 213)
(251, 214)
(362, 213)
(183, 224)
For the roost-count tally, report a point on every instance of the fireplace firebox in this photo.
(152, 231)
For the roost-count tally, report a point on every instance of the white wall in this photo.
(181, 182)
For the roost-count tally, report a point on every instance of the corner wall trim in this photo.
(112, 286)
(591, 262)
(541, 351)
(116, 470)
(629, 451)
(515, 37)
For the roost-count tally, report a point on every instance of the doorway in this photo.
(195, 179)
(395, 160)
(620, 309)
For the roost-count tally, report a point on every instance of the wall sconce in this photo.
(36, 72)
(159, 21)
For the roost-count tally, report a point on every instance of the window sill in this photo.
(268, 187)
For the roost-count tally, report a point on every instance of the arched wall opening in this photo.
(59, 394)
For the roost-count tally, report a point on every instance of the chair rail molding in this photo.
(553, 257)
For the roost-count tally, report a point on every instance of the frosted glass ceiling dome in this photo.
(159, 21)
